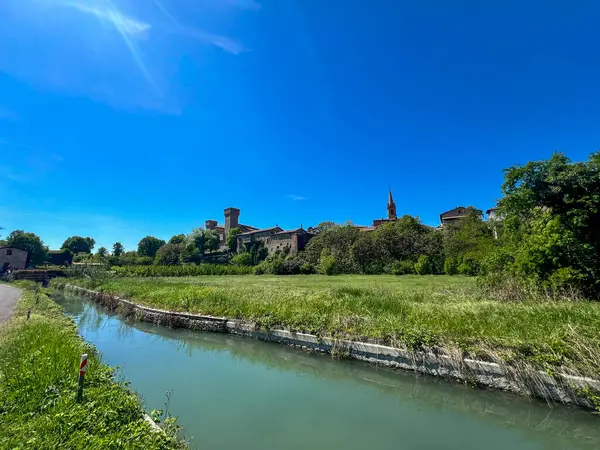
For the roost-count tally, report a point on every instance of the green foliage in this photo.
(258, 251)
(60, 257)
(196, 238)
(187, 270)
(102, 252)
(149, 245)
(79, 244)
(39, 361)
(423, 265)
(169, 255)
(468, 242)
(328, 264)
(177, 239)
(211, 241)
(405, 267)
(31, 243)
(243, 259)
(551, 232)
(450, 266)
(118, 249)
(232, 239)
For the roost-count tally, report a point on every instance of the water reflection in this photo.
(213, 371)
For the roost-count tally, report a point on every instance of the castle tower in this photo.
(391, 207)
(232, 216)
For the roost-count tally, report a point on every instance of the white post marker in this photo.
(82, 370)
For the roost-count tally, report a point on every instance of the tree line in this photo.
(546, 235)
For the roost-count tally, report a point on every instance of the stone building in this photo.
(232, 216)
(12, 258)
(276, 239)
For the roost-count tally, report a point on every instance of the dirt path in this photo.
(8, 299)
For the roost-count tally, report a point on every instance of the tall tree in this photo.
(79, 244)
(232, 239)
(102, 252)
(211, 241)
(169, 255)
(118, 249)
(31, 243)
(149, 245)
(177, 239)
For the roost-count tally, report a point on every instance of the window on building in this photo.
(9, 252)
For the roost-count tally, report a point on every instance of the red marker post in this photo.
(82, 370)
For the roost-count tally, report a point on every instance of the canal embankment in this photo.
(40, 351)
(517, 378)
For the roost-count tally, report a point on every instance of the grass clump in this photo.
(414, 312)
(39, 360)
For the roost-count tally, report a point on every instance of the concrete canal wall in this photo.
(558, 388)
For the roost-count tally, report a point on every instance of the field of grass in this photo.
(39, 360)
(410, 311)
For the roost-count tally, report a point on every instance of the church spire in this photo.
(391, 206)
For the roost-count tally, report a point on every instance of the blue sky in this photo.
(122, 118)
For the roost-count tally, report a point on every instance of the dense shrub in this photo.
(450, 266)
(423, 265)
(243, 259)
(405, 267)
(187, 270)
(169, 255)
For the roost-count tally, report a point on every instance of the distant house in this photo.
(454, 215)
(12, 258)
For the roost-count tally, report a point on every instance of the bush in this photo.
(327, 264)
(168, 255)
(468, 266)
(450, 266)
(243, 259)
(423, 266)
(307, 269)
(405, 267)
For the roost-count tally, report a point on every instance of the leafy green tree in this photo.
(149, 245)
(177, 239)
(469, 241)
(168, 255)
(102, 252)
(324, 226)
(232, 239)
(196, 238)
(118, 249)
(212, 241)
(31, 243)
(366, 253)
(551, 213)
(79, 244)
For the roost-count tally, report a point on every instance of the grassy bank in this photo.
(410, 311)
(39, 361)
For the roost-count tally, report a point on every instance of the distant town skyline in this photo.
(121, 120)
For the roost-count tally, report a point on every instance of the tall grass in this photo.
(410, 311)
(39, 361)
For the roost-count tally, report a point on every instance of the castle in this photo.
(276, 238)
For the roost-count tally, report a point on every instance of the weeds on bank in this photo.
(39, 361)
(437, 313)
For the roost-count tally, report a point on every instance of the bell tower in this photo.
(391, 207)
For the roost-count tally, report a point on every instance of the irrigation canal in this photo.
(231, 393)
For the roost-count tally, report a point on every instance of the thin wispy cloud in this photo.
(128, 28)
(296, 197)
(224, 43)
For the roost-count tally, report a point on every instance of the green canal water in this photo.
(235, 393)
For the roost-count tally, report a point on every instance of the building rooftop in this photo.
(260, 231)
